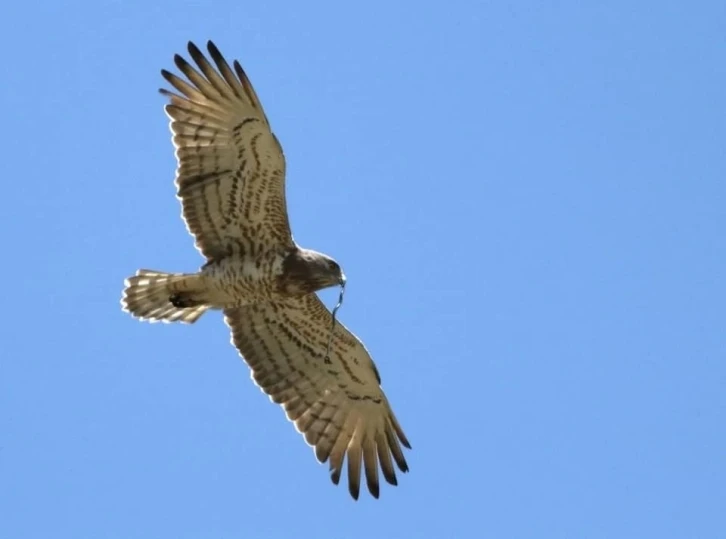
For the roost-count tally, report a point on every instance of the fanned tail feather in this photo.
(148, 296)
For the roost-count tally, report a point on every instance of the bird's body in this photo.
(245, 280)
(230, 180)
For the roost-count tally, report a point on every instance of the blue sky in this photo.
(528, 199)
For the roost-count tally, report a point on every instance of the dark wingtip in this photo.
(390, 477)
(354, 490)
(238, 67)
(196, 54)
(216, 55)
(180, 62)
(168, 77)
(192, 48)
(212, 48)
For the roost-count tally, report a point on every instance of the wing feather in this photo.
(230, 166)
(234, 83)
(384, 457)
(336, 404)
(354, 458)
(371, 464)
(330, 435)
(211, 74)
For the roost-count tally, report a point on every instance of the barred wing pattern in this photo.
(231, 170)
(337, 404)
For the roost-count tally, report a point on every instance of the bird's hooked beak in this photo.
(343, 279)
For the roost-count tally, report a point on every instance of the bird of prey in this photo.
(230, 180)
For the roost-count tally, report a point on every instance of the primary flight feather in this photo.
(230, 180)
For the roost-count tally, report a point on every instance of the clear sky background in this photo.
(528, 199)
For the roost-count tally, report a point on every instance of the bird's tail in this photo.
(166, 297)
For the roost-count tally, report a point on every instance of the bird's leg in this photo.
(183, 300)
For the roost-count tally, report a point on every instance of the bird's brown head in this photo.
(305, 271)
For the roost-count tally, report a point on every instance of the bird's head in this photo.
(325, 271)
(333, 273)
(306, 271)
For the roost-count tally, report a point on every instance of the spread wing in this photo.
(337, 404)
(230, 176)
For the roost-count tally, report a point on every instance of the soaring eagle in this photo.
(230, 180)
